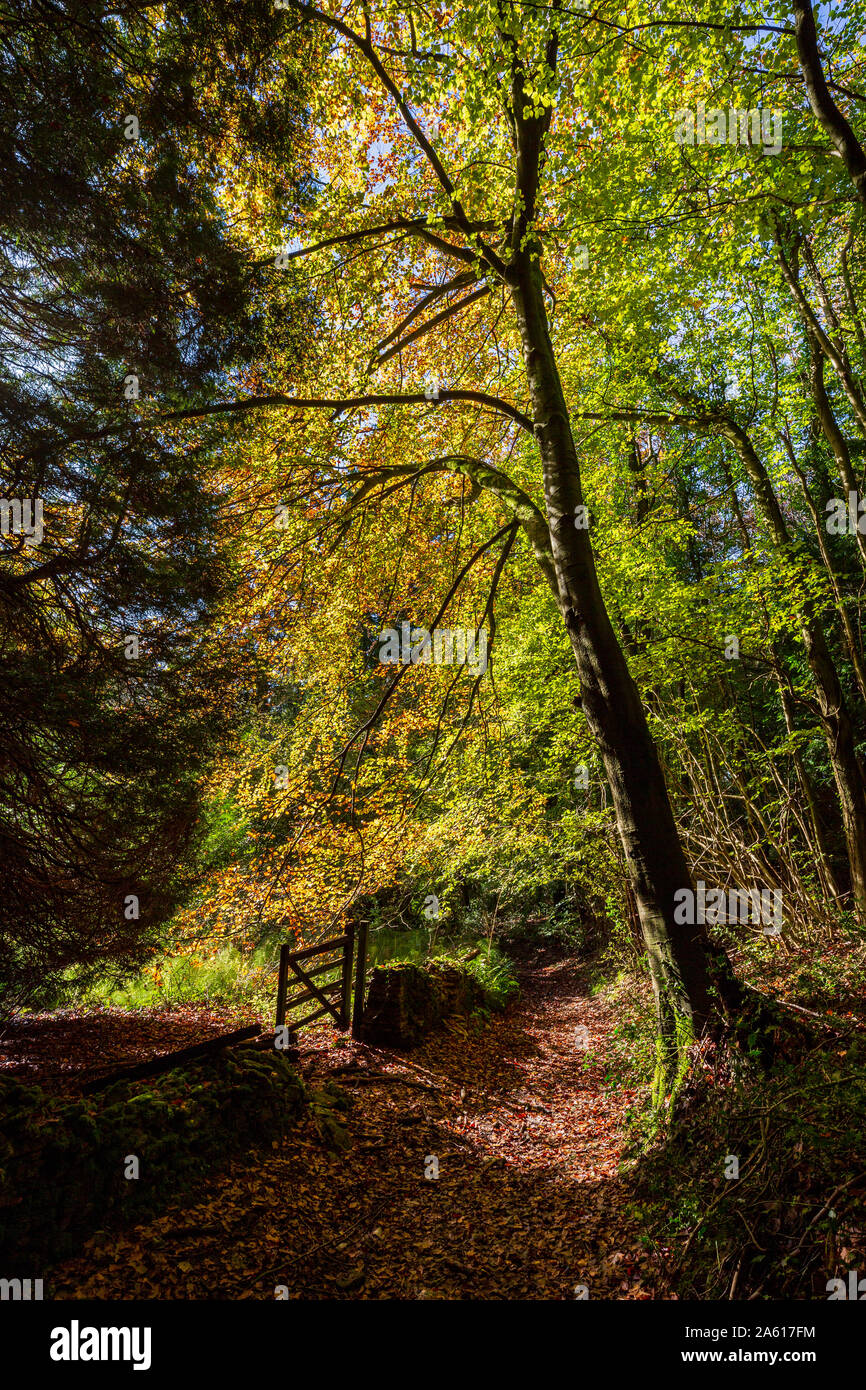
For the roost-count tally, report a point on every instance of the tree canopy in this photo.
(533, 323)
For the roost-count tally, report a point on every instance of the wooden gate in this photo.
(303, 968)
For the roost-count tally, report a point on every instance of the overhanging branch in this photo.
(337, 405)
(364, 45)
(370, 723)
(483, 476)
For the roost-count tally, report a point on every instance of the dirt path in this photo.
(525, 1134)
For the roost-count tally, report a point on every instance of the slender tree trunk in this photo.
(830, 428)
(831, 350)
(835, 719)
(851, 640)
(822, 854)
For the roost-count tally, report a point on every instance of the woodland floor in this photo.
(527, 1130)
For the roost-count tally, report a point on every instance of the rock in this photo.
(407, 1001)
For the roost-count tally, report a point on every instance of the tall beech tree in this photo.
(469, 200)
(437, 250)
(519, 280)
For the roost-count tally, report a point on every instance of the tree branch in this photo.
(482, 475)
(441, 317)
(414, 226)
(338, 405)
(460, 282)
(401, 671)
(365, 46)
(821, 101)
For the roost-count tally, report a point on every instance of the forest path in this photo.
(526, 1132)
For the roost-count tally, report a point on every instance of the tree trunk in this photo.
(835, 719)
(821, 101)
(691, 978)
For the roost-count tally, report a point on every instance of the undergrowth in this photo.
(68, 1166)
(247, 981)
(753, 1184)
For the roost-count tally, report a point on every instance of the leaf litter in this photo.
(529, 1202)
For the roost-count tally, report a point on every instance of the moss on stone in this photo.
(407, 1001)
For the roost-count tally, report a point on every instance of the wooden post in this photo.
(282, 983)
(360, 979)
(346, 999)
